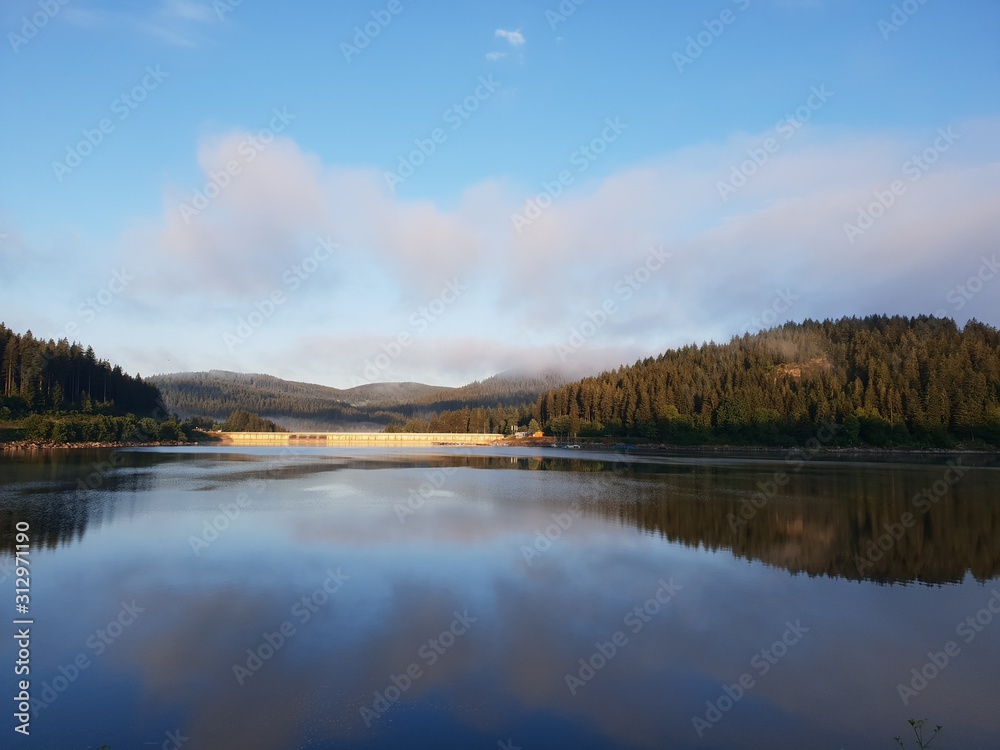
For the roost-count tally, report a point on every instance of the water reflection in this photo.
(889, 524)
(623, 527)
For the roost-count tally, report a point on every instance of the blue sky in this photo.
(414, 191)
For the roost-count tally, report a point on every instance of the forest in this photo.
(59, 392)
(306, 406)
(39, 376)
(883, 381)
(879, 381)
(242, 421)
(217, 394)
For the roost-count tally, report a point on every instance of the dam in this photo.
(374, 439)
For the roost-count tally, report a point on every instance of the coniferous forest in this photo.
(492, 402)
(883, 381)
(62, 393)
(40, 376)
(878, 381)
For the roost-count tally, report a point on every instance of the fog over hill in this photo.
(307, 406)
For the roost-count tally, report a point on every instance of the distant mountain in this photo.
(393, 393)
(307, 406)
(293, 405)
(509, 388)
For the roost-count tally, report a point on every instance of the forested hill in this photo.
(371, 406)
(884, 380)
(218, 393)
(53, 376)
(507, 389)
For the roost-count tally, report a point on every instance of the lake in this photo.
(499, 598)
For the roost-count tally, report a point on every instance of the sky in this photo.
(419, 190)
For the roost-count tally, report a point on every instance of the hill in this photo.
(883, 380)
(296, 406)
(39, 376)
(880, 381)
(59, 392)
(306, 406)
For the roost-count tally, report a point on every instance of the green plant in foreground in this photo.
(917, 725)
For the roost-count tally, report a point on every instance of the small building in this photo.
(539, 434)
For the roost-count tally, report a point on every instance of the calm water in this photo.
(490, 598)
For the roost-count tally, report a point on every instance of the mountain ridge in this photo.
(300, 405)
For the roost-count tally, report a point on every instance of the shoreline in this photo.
(638, 449)
(655, 449)
(28, 445)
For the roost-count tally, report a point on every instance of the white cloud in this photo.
(516, 38)
(175, 22)
(783, 230)
(494, 56)
(188, 11)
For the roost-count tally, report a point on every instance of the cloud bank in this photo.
(744, 241)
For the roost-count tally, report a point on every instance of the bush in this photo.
(147, 430)
(170, 431)
(37, 427)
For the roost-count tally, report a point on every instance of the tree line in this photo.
(244, 421)
(217, 394)
(220, 394)
(59, 392)
(884, 381)
(59, 376)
